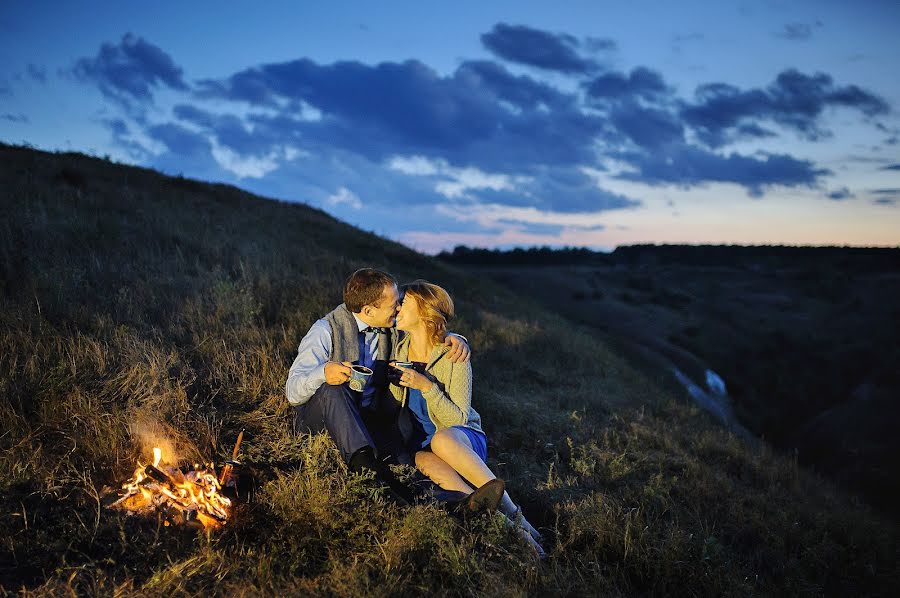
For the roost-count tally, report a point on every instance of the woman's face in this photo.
(408, 317)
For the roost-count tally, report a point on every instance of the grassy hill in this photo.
(131, 297)
(807, 339)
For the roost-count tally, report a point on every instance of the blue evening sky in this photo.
(491, 124)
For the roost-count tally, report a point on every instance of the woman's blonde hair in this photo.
(435, 307)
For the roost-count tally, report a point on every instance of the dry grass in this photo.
(137, 306)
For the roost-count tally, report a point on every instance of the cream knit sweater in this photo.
(450, 398)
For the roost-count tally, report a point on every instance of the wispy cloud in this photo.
(15, 118)
(690, 166)
(130, 70)
(37, 73)
(794, 100)
(798, 32)
(886, 196)
(344, 197)
(840, 194)
(538, 48)
(488, 215)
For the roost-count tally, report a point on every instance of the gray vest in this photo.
(345, 347)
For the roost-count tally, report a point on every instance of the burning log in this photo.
(158, 475)
(192, 498)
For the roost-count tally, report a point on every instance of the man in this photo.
(359, 331)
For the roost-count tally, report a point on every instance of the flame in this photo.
(188, 496)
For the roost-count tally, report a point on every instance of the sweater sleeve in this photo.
(452, 404)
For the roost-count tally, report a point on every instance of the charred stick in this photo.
(122, 498)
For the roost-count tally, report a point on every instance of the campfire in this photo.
(193, 498)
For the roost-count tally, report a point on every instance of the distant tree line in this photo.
(753, 256)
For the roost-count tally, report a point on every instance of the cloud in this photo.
(886, 197)
(893, 191)
(130, 70)
(840, 194)
(36, 72)
(344, 196)
(600, 44)
(564, 189)
(687, 165)
(313, 177)
(480, 134)
(641, 83)
(797, 31)
(794, 100)
(890, 167)
(481, 115)
(521, 92)
(453, 182)
(244, 166)
(408, 102)
(123, 137)
(227, 130)
(16, 118)
(550, 230)
(185, 152)
(488, 215)
(538, 48)
(179, 140)
(649, 128)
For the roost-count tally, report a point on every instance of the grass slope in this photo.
(808, 344)
(132, 297)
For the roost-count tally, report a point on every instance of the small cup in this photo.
(359, 377)
(394, 375)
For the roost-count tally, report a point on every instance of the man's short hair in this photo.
(365, 287)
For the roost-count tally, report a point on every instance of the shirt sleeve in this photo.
(307, 373)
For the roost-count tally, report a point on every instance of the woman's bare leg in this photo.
(454, 449)
(440, 472)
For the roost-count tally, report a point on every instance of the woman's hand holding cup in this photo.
(410, 378)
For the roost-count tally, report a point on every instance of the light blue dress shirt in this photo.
(307, 373)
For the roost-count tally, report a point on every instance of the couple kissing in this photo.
(415, 402)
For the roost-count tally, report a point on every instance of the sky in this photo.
(488, 124)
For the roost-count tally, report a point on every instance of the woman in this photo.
(451, 446)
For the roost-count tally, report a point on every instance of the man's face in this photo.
(382, 314)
